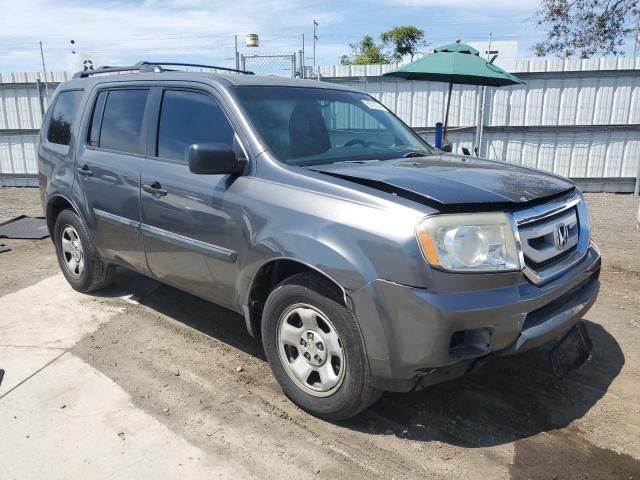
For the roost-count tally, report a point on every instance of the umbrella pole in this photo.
(446, 115)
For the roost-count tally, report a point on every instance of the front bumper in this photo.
(415, 336)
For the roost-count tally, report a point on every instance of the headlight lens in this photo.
(470, 242)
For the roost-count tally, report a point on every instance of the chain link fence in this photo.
(284, 65)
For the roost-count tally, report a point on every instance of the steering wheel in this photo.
(355, 141)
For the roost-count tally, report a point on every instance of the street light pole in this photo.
(44, 69)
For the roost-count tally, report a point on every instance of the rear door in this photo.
(192, 224)
(108, 172)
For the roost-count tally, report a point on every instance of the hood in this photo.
(446, 180)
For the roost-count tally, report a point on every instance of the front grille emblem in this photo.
(561, 235)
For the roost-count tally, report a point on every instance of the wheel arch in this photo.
(269, 275)
(56, 204)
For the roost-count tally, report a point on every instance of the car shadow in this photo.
(506, 400)
(208, 318)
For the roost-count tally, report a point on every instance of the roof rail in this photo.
(156, 67)
(197, 65)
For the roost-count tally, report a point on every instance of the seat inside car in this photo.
(308, 132)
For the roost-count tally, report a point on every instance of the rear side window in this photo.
(187, 118)
(62, 117)
(122, 121)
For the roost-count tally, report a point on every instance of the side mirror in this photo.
(214, 159)
(447, 146)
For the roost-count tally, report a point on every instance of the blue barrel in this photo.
(439, 135)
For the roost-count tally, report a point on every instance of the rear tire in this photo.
(315, 349)
(79, 260)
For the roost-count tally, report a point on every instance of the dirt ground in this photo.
(178, 358)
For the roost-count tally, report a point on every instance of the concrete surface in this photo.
(60, 417)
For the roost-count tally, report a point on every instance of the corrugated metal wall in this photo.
(21, 104)
(578, 118)
(577, 154)
(602, 98)
(18, 154)
(574, 117)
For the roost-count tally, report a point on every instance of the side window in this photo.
(62, 117)
(122, 121)
(187, 118)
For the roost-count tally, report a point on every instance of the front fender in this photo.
(339, 266)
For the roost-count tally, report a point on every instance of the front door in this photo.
(108, 173)
(191, 224)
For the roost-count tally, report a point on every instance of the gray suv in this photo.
(363, 258)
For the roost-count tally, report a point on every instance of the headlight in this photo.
(470, 242)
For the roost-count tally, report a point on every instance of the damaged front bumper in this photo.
(416, 337)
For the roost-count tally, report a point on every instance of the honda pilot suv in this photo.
(364, 259)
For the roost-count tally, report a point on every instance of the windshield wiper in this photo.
(368, 160)
(415, 153)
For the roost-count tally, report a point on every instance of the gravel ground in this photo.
(178, 357)
(19, 201)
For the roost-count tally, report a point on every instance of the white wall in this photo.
(579, 118)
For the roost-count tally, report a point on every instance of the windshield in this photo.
(308, 126)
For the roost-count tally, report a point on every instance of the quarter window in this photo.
(122, 121)
(62, 117)
(96, 118)
(187, 118)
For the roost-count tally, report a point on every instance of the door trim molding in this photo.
(173, 238)
(111, 218)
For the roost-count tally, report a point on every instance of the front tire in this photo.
(315, 350)
(79, 260)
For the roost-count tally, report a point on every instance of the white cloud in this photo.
(132, 30)
(477, 5)
(202, 30)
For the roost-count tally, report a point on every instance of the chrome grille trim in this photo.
(543, 232)
(540, 212)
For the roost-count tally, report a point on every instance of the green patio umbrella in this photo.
(455, 63)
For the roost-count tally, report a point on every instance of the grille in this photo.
(549, 240)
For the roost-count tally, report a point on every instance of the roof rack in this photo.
(156, 67)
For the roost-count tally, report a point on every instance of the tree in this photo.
(365, 52)
(405, 39)
(585, 28)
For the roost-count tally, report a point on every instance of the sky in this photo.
(202, 31)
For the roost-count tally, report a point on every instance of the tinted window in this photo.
(122, 120)
(187, 118)
(62, 117)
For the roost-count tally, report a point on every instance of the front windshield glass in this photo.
(308, 126)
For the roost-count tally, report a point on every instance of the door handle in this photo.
(84, 170)
(155, 189)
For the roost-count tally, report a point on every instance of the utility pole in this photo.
(315, 39)
(44, 68)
